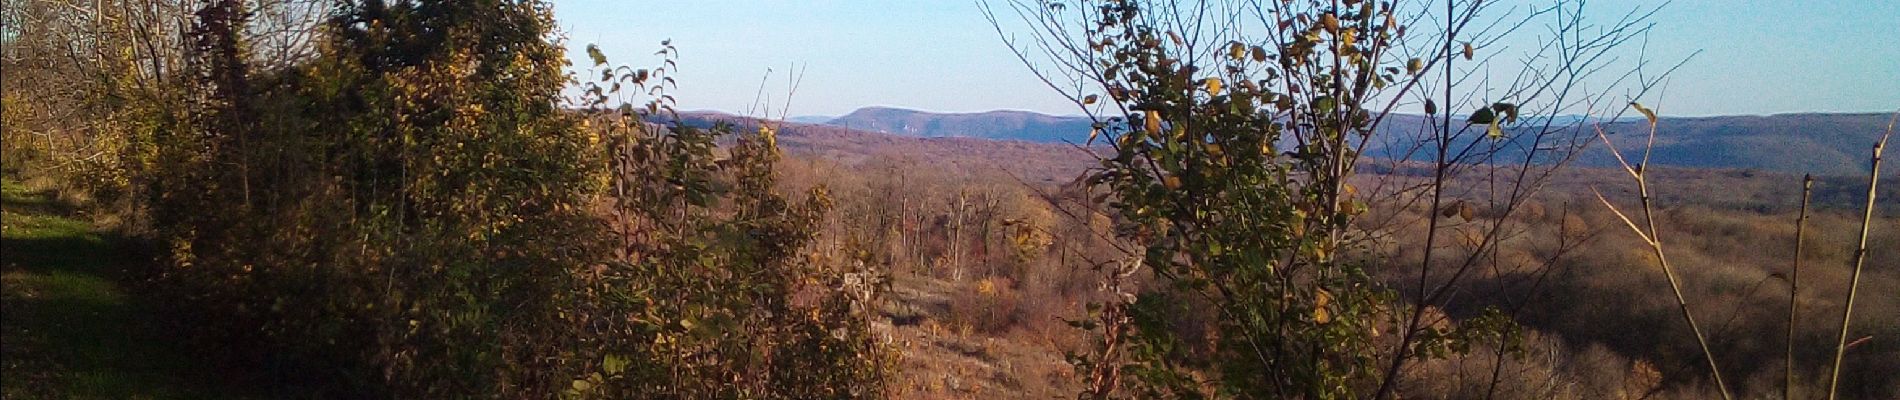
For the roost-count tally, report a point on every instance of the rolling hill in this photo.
(1823, 144)
(1032, 162)
(1045, 145)
(1002, 124)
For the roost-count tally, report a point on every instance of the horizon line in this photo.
(1039, 113)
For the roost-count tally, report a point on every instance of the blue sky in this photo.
(1759, 57)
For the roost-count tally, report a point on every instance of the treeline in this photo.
(395, 199)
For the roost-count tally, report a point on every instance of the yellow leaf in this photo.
(1651, 115)
(1153, 122)
(1320, 301)
(1236, 50)
(1213, 86)
(770, 135)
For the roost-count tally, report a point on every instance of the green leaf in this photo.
(614, 364)
(593, 52)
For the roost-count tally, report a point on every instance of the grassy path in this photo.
(71, 329)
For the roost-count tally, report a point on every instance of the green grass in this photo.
(71, 330)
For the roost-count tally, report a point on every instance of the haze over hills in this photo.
(1001, 124)
(811, 119)
(1029, 161)
(1823, 144)
(1749, 158)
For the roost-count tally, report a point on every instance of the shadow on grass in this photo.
(71, 329)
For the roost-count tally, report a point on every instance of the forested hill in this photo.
(1822, 144)
(1001, 124)
(1030, 161)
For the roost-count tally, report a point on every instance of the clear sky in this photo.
(1759, 57)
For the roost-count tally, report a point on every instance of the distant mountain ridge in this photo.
(1001, 124)
(1820, 143)
(1030, 161)
(811, 119)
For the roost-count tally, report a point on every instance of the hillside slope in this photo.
(1822, 144)
(1002, 124)
(1032, 162)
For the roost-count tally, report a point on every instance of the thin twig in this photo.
(1860, 261)
(1654, 239)
(1794, 282)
